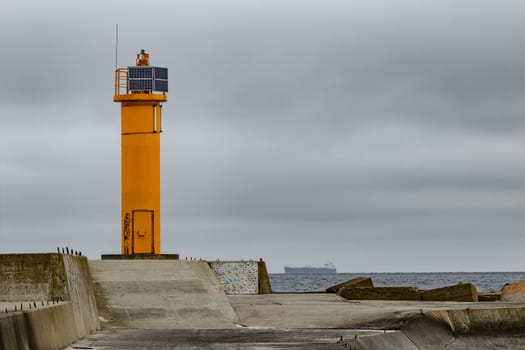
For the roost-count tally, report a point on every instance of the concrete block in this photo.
(264, 279)
(357, 282)
(514, 292)
(465, 292)
(486, 297)
(379, 293)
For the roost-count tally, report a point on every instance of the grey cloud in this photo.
(333, 123)
(391, 172)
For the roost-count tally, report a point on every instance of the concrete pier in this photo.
(173, 304)
(286, 321)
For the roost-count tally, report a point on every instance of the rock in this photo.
(357, 282)
(458, 292)
(514, 292)
(379, 293)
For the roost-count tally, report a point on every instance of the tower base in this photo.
(139, 256)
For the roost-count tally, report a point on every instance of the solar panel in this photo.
(148, 79)
(140, 84)
(161, 73)
(161, 85)
(140, 72)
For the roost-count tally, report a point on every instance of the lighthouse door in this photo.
(142, 228)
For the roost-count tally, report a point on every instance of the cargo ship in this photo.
(326, 268)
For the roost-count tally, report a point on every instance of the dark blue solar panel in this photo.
(140, 72)
(161, 73)
(140, 84)
(161, 85)
(148, 79)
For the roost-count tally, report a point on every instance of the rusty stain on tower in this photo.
(141, 90)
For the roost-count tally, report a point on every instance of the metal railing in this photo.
(121, 81)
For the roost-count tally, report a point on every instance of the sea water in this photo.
(484, 281)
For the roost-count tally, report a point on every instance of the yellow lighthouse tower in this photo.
(141, 90)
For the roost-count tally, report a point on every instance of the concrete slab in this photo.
(313, 311)
(458, 292)
(324, 321)
(325, 310)
(231, 339)
(389, 341)
(379, 293)
(354, 282)
(425, 333)
(160, 294)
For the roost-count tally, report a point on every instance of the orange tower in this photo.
(141, 90)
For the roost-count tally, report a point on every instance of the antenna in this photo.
(116, 47)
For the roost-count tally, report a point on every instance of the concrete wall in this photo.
(48, 276)
(242, 277)
(31, 277)
(81, 292)
(237, 277)
(41, 328)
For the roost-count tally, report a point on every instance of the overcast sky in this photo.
(378, 135)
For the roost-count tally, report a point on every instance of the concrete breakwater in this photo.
(362, 288)
(485, 282)
(173, 304)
